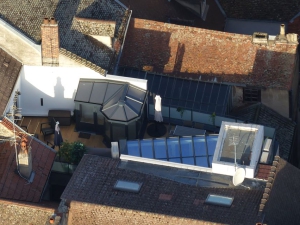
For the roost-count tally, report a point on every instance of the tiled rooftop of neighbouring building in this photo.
(12, 185)
(27, 17)
(93, 184)
(207, 55)
(9, 72)
(276, 10)
(173, 12)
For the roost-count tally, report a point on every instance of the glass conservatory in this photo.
(111, 108)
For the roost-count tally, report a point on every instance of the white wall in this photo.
(56, 86)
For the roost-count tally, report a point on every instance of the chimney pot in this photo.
(282, 29)
(46, 20)
(52, 20)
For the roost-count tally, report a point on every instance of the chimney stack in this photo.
(282, 29)
(50, 42)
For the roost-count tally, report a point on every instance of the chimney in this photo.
(50, 42)
(281, 38)
(282, 29)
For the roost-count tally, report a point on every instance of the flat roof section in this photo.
(238, 142)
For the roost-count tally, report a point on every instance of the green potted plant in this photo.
(212, 118)
(181, 111)
(72, 152)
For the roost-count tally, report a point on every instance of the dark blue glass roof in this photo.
(188, 94)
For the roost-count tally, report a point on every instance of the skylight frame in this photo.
(219, 200)
(124, 185)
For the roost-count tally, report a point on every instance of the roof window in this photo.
(123, 185)
(219, 200)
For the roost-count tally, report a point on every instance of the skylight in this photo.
(123, 185)
(219, 200)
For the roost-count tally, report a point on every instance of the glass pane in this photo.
(163, 85)
(173, 147)
(146, 148)
(133, 148)
(189, 161)
(211, 144)
(177, 91)
(160, 149)
(215, 93)
(155, 84)
(176, 160)
(192, 91)
(219, 200)
(185, 89)
(169, 88)
(199, 145)
(201, 161)
(150, 78)
(186, 147)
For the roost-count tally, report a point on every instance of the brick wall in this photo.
(50, 42)
(85, 213)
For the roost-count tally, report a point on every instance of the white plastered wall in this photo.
(57, 87)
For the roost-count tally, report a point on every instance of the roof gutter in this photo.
(120, 53)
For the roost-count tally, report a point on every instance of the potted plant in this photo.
(72, 152)
(181, 111)
(212, 118)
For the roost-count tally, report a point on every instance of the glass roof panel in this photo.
(201, 161)
(169, 88)
(115, 113)
(98, 92)
(185, 89)
(150, 78)
(146, 148)
(84, 91)
(134, 105)
(186, 146)
(211, 144)
(173, 147)
(176, 160)
(219, 200)
(177, 90)
(155, 84)
(114, 99)
(160, 148)
(136, 93)
(189, 161)
(162, 86)
(199, 145)
(133, 148)
(111, 90)
(192, 90)
(130, 114)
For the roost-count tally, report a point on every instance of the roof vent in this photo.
(260, 38)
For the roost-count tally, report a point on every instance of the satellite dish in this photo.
(239, 176)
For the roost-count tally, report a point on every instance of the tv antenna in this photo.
(234, 140)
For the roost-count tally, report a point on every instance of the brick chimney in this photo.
(50, 42)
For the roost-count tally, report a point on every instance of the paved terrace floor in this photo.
(69, 133)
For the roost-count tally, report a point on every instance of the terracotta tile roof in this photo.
(195, 53)
(263, 115)
(261, 10)
(13, 186)
(27, 17)
(263, 171)
(161, 11)
(13, 212)
(159, 200)
(282, 206)
(9, 73)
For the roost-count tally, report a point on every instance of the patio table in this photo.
(187, 131)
